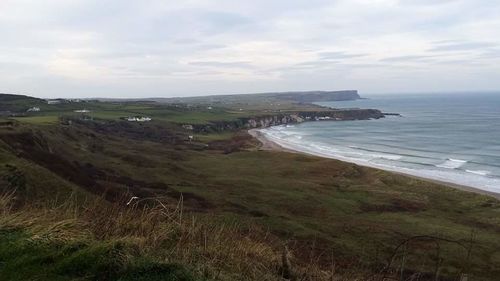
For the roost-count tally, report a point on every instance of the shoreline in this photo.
(270, 145)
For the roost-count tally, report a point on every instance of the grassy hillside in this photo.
(99, 240)
(217, 208)
(18, 103)
(263, 101)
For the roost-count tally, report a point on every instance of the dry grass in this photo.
(211, 248)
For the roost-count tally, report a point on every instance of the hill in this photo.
(258, 98)
(18, 103)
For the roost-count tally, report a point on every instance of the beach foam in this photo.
(452, 163)
(482, 173)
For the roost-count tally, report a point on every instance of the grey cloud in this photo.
(315, 64)
(490, 54)
(426, 2)
(465, 46)
(209, 72)
(339, 55)
(186, 41)
(211, 46)
(447, 41)
(8, 68)
(365, 65)
(420, 58)
(234, 64)
(460, 62)
(325, 60)
(224, 19)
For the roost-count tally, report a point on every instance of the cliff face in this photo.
(289, 118)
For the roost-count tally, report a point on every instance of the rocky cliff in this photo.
(289, 118)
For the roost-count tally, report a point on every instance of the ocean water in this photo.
(448, 137)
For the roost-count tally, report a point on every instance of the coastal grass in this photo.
(26, 259)
(99, 240)
(209, 137)
(353, 211)
(39, 120)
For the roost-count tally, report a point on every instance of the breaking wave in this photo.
(452, 163)
(482, 173)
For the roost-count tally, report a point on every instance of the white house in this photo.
(188, 127)
(143, 119)
(33, 109)
(323, 118)
(139, 119)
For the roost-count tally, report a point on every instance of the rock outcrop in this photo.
(289, 118)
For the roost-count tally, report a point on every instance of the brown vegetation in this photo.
(213, 248)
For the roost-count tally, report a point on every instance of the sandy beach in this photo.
(268, 144)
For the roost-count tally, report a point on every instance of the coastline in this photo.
(267, 144)
(270, 145)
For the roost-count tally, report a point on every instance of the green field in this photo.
(191, 114)
(40, 120)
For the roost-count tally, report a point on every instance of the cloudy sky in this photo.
(122, 48)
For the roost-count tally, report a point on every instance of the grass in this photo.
(16, 103)
(39, 120)
(214, 136)
(98, 240)
(52, 260)
(115, 111)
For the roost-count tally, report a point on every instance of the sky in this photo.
(123, 48)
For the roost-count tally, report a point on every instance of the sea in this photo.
(449, 137)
